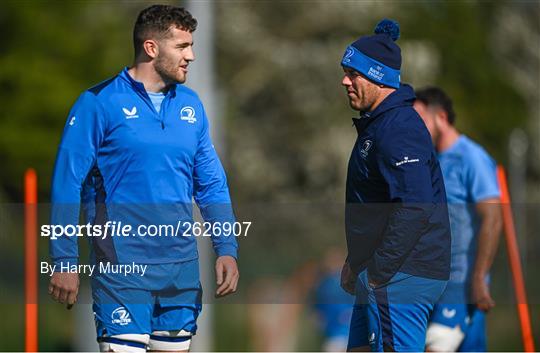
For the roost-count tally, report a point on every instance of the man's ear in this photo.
(151, 48)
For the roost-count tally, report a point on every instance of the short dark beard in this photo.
(164, 74)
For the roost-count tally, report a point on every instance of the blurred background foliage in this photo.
(286, 122)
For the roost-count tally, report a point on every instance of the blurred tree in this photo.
(279, 62)
(515, 41)
(288, 119)
(487, 104)
(52, 51)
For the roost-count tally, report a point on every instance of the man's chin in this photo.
(353, 105)
(177, 78)
(181, 79)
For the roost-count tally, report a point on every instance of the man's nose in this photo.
(346, 81)
(190, 55)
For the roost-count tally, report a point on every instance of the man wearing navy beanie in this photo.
(396, 217)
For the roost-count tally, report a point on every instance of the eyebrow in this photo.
(185, 44)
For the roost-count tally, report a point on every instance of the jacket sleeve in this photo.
(82, 136)
(211, 193)
(404, 160)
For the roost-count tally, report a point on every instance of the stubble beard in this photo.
(353, 105)
(369, 97)
(168, 71)
(360, 103)
(355, 102)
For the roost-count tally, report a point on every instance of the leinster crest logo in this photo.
(188, 114)
(365, 148)
(120, 316)
(348, 54)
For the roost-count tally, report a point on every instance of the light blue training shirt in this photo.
(156, 98)
(470, 177)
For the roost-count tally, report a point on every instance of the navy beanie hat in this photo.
(377, 57)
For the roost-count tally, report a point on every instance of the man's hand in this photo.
(226, 275)
(64, 288)
(372, 283)
(348, 279)
(480, 294)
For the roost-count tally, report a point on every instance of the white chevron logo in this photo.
(130, 114)
(449, 313)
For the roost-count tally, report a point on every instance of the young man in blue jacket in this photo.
(136, 148)
(397, 227)
(458, 320)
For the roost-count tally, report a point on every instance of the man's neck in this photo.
(447, 139)
(147, 75)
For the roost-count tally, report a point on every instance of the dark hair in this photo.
(156, 20)
(436, 97)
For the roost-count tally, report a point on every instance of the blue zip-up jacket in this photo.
(130, 164)
(396, 213)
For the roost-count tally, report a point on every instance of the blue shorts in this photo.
(393, 316)
(167, 297)
(469, 318)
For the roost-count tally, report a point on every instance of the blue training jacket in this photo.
(396, 213)
(130, 164)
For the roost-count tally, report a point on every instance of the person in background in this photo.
(333, 305)
(458, 321)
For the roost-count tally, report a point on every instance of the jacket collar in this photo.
(139, 86)
(362, 122)
(402, 97)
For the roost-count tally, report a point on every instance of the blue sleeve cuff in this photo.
(226, 250)
(65, 263)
